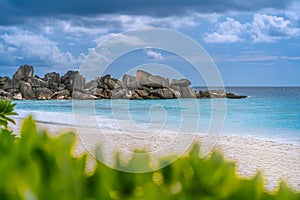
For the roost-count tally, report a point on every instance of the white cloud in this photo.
(22, 44)
(228, 31)
(294, 58)
(262, 28)
(152, 54)
(114, 39)
(103, 24)
(269, 28)
(220, 38)
(293, 11)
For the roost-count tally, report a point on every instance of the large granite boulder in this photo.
(235, 96)
(26, 90)
(91, 85)
(82, 96)
(73, 80)
(42, 93)
(18, 96)
(5, 95)
(53, 80)
(24, 72)
(10, 85)
(3, 81)
(176, 91)
(142, 93)
(187, 92)
(182, 88)
(218, 94)
(163, 93)
(119, 94)
(62, 94)
(36, 82)
(183, 91)
(149, 80)
(129, 81)
(109, 83)
(181, 82)
(212, 94)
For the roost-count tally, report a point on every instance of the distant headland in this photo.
(72, 85)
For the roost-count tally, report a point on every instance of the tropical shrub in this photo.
(6, 109)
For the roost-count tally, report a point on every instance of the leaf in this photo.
(28, 128)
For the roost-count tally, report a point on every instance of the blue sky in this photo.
(253, 43)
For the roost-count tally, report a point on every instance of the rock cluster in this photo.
(25, 85)
(142, 86)
(218, 94)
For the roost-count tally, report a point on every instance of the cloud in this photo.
(269, 28)
(152, 54)
(114, 39)
(294, 58)
(103, 24)
(262, 28)
(23, 45)
(13, 12)
(228, 31)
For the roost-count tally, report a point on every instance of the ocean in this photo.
(268, 112)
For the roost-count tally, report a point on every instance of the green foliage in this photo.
(6, 109)
(38, 166)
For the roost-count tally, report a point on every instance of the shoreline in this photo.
(278, 139)
(276, 160)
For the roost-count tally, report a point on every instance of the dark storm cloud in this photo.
(16, 11)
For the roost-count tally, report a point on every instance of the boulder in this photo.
(63, 94)
(234, 96)
(163, 93)
(26, 90)
(37, 82)
(218, 94)
(129, 81)
(53, 80)
(18, 97)
(203, 94)
(11, 84)
(42, 93)
(119, 94)
(176, 90)
(109, 83)
(181, 82)
(142, 93)
(73, 80)
(24, 72)
(149, 80)
(91, 84)
(187, 92)
(3, 81)
(4, 95)
(81, 96)
(134, 96)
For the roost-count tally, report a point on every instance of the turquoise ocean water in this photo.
(268, 112)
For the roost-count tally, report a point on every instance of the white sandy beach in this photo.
(277, 160)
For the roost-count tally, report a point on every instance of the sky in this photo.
(253, 43)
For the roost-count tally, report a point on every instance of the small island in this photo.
(24, 85)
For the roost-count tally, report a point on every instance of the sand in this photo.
(277, 160)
